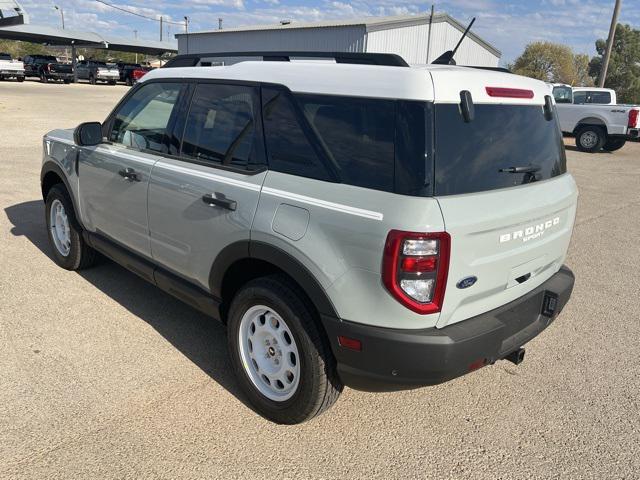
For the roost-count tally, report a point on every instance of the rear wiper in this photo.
(527, 169)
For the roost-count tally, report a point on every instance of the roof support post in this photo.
(74, 62)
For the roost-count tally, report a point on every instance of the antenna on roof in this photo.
(447, 57)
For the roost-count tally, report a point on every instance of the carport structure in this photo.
(46, 35)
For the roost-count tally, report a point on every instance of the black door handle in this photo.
(129, 174)
(214, 200)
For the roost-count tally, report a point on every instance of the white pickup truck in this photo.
(594, 118)
(10, 68)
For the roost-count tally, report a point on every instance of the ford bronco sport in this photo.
(360, 223)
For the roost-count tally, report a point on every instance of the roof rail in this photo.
(385, 59)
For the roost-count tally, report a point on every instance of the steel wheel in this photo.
(269, 353)
(59, 224)
(589, 139)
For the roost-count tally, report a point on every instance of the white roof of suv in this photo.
(328, 78)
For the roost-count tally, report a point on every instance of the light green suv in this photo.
(360, 223)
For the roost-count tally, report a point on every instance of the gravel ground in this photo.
(104, 376)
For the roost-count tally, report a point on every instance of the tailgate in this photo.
(511, 240)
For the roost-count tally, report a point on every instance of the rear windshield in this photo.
(480, 155)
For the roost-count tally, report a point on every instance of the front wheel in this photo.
(590, 138)
(612, 144)
(70, 251)
(279, 354)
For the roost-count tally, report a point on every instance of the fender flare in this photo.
(276, 257)
(50, 166)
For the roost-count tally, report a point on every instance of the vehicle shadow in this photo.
(198, 337)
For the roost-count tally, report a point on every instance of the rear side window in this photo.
(289, 147)
(477, 156)
(357, 135)
(221, 125)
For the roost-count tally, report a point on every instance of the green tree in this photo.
(552, 62)
(623, 74)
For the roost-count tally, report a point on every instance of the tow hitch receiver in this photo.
(516, 357)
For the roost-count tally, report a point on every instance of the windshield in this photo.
(5, 56)
(504, 146)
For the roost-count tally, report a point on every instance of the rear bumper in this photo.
(60, 75)
(10, 74)
(401, 359)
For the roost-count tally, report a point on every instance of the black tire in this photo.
(112, 82)
(614, 143)
(92, 80)
(43, 78)
(67, 82)
(319, 386)
(20, 79)
(80, 254)
(590, 138)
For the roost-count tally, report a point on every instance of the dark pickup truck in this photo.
(47, 67)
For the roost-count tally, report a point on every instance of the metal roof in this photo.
(56, 36)
(371, 24)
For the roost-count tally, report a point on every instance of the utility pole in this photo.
(135, 34)
(186, 24)
(161, 28)
(61, 14)
(219, 23)
(607, 53)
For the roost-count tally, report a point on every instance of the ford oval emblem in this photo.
(466, 282)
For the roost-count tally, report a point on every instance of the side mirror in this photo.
(88, 134)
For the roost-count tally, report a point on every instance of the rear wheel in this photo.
(279, 354)
(612, 144)
(112, 82)
(67, 82)
(20, 79)
(590, 138)
(70, 251)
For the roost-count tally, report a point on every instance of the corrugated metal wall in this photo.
(341, 39)
(411, 43)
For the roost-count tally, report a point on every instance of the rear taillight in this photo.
(415, 268)
(633, 117)
(509, 92)
(138, 74)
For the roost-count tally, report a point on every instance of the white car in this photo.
(594, 118)
(10, 68)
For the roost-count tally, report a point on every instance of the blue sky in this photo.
(509, 25)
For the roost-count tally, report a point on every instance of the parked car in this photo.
(593, 117)
(376, 226)
(46, 68)
(130, 73)
(10, 68)
(96, 71)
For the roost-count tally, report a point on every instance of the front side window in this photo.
(142, 121)
(222, 124)
(580, 97)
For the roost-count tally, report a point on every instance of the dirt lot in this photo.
(104, 376)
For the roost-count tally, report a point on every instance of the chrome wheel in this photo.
(589, 139)
(59, 225)
(269, 353)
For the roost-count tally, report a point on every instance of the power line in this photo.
(136, 13)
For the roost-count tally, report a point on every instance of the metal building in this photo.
(417, 39)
